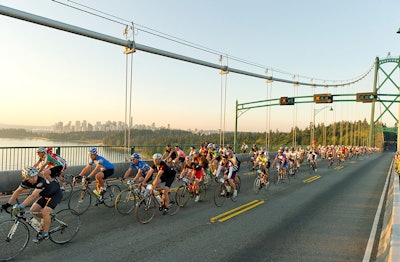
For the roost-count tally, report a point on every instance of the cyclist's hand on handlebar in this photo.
(17, 209)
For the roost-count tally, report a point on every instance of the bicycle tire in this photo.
(65, 224)
(183, 194)
(10, 248)
(110, 195)
(145, 209)
(174, 199)
(256, 185)
(125, 201)
(218, 198)
(276, 178)
(203, 192)
(80, 201)
(238, 183)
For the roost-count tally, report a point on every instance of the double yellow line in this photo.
(236, 211)
(311, 179)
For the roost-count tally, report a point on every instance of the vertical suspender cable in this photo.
(220, 111)
(226, 83)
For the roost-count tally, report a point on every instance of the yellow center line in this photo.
(241, 211)
(311, 179)
(236, 211)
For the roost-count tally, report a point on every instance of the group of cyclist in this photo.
(208, 160)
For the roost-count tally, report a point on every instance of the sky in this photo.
(47, 75)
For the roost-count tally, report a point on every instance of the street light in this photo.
(316, 111)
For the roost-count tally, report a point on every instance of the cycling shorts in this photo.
(51, 202)
(168, 180)
(108, 172)
(55, 171)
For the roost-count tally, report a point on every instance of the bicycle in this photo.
(224, 191)
(81, 200)
(311, 166)
(292, 170)
(15, 233)
(330, 162)
(145, 209)
(187, 191)
(127, 199)
(261, 181)
(280, 174)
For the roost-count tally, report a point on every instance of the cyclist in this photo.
(169, 154)
(329, 156)
(49, 166)
(180, 158)
(103, 169)
(229, 173)
(164, 174)
(142, 169)
(281, 158)
(312, 158)
(263, 162)
(49, 193)
(49, 151)
(292, 155)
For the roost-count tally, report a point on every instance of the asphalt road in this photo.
(328, 219)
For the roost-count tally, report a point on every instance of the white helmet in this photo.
(29, 171)
(157, 156)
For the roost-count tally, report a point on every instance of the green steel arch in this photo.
(386, 81)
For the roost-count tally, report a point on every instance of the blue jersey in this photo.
(141, 166)
(103, 162)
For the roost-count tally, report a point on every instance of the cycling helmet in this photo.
(29, 171)
(49, 150)
(135, 156)
(41, 150)
(157, 156)
(93, 151)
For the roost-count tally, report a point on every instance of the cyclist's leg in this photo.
(168, 184)
(99, 181)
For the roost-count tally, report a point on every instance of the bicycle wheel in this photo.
(220, 195)
(238, 183)
(276, 178)
(125, 201)
(80, 201)
(65, 225)
(174, 199)
(256, 185)
(183, 194)
(145, 210)
(110, 195)
(12, 244)
(67, 191)
(203, 192)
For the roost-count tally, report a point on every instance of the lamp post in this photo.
(316, 111)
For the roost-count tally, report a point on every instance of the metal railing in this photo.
(16, 158)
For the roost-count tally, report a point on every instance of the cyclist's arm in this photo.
(148, 175)
(85, 170)
(31, 197)
(95, 170)
(128, 172)
(15, 194)
(138, 174)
